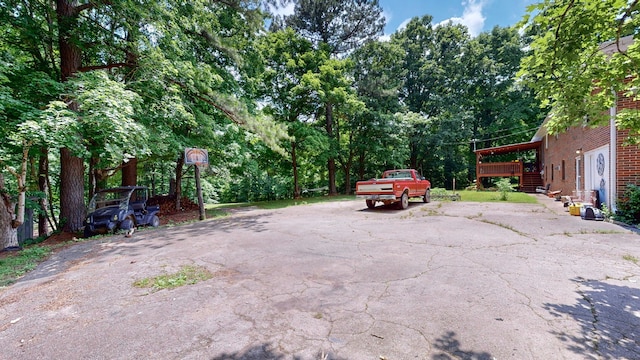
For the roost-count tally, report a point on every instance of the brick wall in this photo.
(628, 155)
(561, 150)
(628, 164)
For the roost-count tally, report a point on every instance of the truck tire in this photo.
(427, 196)
(371, 203)
(404, 201)
(155, 221)
(128, 226)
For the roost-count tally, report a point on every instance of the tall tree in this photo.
(376, 135)
(337, 26)
(21, 132)
(289, 99)
(434, 87)
(568, 69)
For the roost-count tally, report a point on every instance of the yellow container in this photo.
(574, 209)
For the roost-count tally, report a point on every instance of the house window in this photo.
(563, 173)
(553, 168)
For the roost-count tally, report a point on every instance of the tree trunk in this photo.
(331, 162)
(8, 230)
(130, 172)
(130, 168)
(70, 53)
(43, 187)
(361, 158)
(71, 191)
(71, 167)
(294, 164)
(179, 167)
(413, 157)
(347, 174)
(93, 182)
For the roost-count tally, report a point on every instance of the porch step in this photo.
(530, 181)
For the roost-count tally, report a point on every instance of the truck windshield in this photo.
(115, 197)
(399, 175)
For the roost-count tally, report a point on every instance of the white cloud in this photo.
(403, 25)
(285, 11)
(472, 17)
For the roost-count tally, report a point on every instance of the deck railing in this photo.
(498, 169)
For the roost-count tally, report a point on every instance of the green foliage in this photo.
(504, 186)
(631, 258)
(257, 186)
(629, 205)
(465, 92)
(568, 68)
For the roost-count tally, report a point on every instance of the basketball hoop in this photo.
(195, 156)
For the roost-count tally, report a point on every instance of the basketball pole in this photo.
(202, 213)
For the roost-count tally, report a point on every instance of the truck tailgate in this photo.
(375, 188)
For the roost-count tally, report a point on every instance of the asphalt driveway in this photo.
(445, 280)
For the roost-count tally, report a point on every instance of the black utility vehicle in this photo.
(121, 208)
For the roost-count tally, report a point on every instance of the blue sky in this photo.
(477, 15)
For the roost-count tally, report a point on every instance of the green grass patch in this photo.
(492, 196)
(187, 275)
(15, 266)
(279, 204)
(631, 258)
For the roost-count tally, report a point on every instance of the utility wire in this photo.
(491, 139)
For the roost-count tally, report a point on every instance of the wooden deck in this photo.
(528, 181)
(499, 169)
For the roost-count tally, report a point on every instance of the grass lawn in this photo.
(279, 204)
(494, 196)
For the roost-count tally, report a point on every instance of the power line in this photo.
(491, 139)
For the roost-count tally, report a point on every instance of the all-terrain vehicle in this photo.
(122, 208)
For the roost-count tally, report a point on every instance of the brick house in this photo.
(586, 162)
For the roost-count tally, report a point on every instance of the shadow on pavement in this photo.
(265, 351)
(393, 207)
(450, 347)
(141, 241)
(609, 318)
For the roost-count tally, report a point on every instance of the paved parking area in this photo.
(445, 280)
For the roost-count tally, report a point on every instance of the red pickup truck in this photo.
(395, 186)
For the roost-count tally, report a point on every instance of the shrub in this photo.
(629, 205)
(504, 187)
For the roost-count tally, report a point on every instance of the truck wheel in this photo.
(427, 196)
(371, 204)
(404, 201)
(155, 221)
(128, 226)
